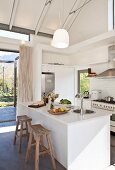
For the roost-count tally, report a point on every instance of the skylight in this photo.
(14, 35)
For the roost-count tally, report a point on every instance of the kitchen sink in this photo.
(87, 111)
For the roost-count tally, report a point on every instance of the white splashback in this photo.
(106, 85)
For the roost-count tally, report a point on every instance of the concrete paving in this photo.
(7, 116)
(10, 159)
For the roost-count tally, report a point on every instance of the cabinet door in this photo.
(64, 83)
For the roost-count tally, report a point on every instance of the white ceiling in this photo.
(29, 14)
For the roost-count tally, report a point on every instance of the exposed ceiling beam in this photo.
(24, 31)
(42, 16)
(14, 8)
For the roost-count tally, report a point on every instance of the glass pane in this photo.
(110, 15)
(84, 82)
(14, 35)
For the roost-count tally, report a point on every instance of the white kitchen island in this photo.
(79, 143)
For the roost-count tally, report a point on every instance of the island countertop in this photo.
(82, 142)
(69, 117)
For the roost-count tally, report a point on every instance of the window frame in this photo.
(79, 72)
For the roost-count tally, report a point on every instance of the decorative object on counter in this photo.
(91, 74)
(37, 104)
(52, 104)
(52, 97)
(44, 98)
(58, 111)
(65, 101)
(86, 94)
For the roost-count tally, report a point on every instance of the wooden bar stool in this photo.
(39, 132)
(24, 121)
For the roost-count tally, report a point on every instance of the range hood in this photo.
(109, 73)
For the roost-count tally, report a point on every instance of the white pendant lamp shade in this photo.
(60, 39)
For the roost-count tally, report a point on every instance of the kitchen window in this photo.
(111, 15)
(14, 35)
(83, 81)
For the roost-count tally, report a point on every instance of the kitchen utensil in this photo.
(86, 94)
(96, 94)
(109, 99)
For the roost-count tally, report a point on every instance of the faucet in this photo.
(79, 96)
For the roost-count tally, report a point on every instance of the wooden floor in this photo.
(10, 159)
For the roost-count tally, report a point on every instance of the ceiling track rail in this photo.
(42, 16)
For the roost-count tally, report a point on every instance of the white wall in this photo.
(9, 44)
(49, 57)
(92, 21)
(91, 56)
(37, 62)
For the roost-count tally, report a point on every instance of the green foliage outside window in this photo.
(84, 82)
(6, 85)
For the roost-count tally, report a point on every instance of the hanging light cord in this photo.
(69, 13)
(85, 3)
(46, 3)
(80, 9)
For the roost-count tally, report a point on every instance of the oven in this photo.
(108, 107)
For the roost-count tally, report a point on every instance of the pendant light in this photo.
(60, 38)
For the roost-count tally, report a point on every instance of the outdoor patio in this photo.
(7, 116)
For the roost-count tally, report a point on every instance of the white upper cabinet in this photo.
(64, 82)
(48, 68)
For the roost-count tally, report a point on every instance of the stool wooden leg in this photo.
(29, 147)
(27, 130)
(16, 131)
(42, 140)
(21, 135)
(51, 150)
(37, 153)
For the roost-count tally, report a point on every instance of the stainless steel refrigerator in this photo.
(48, 82)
